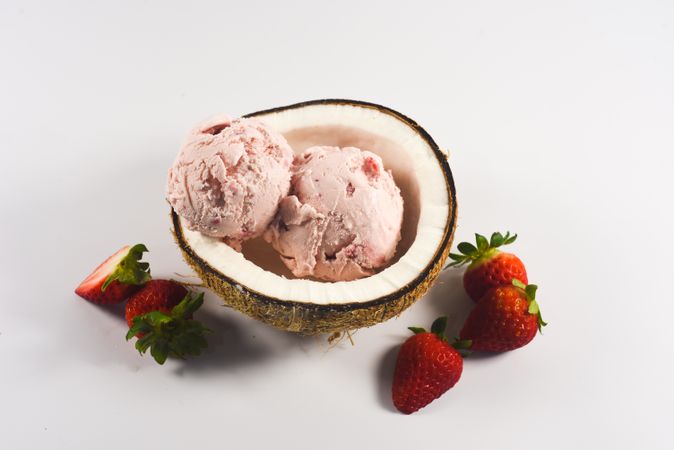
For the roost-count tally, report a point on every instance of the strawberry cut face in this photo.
(103, 271)
(116, 278)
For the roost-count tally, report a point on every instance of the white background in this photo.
(560, 121)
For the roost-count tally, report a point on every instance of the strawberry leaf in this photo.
(438, 327)
(416, 330)
(509, 239)
(463, 346)
(467, 248)
(159, 351)
(138, 327)
(130, 269)
(519, 284)
(531, 291)
(458, 260)
(187, 307)
(143, 343)
(533, 308)
(482, 243)
(496, 240)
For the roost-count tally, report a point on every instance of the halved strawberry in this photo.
(117, 277)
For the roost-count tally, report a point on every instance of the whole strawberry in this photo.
(117, 277)
(160, 316)
(489, 267)
(506, 317)
(427, 367)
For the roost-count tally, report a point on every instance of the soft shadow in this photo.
(228, 346)
(481, 356)
(291, 340)
(448, 298)
(117, 311)
(385, 377)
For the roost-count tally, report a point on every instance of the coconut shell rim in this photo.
(393, 296)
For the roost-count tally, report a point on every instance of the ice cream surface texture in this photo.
(229, 178)
(341, 220)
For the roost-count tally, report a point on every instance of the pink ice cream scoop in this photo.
(229, 177)
(341, 220)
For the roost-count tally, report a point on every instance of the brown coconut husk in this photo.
(310, 318)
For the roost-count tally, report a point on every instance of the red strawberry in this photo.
(156, 295)
(488, 267)
(117, 277)
(505, 318)
(160, 315)
(427, 367)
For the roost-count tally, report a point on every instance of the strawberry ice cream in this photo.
(229, 177)
(341, 220)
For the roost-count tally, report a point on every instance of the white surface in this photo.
(559, 117)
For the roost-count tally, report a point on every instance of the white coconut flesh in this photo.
(416, 170)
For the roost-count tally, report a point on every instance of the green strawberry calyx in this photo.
(438, 328)
(484, 249)
(175, 334)
(130, 269)
(534, 309)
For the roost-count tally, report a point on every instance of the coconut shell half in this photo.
(255, 281)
